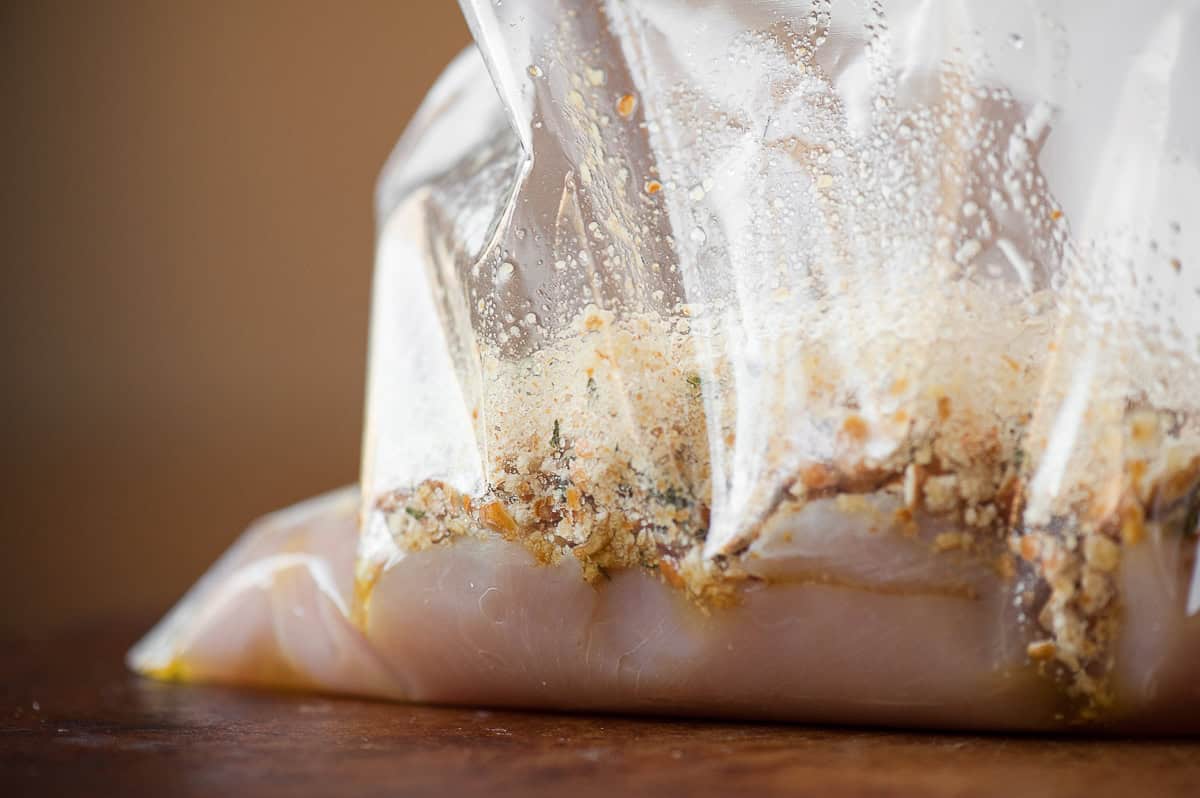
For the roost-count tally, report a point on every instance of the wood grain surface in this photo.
(74, 722)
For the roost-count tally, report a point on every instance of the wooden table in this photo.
(73, 722)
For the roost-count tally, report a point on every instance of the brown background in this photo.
(187, 243)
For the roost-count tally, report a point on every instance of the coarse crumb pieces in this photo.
(604, 455)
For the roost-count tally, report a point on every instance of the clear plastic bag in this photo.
(822, 361)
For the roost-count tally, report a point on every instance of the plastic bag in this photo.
(830, 361)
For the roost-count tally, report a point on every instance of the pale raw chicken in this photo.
(771, 360)
(482, 623)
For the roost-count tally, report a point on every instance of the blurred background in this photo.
(188, 236)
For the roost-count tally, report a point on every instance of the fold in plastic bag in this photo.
(828, 362)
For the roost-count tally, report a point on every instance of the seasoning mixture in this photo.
(598, 449)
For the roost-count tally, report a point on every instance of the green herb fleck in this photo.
(556, 436)
(592, 390)
(1191, 522)
(694, 381)
(415, 513)
(674, 497)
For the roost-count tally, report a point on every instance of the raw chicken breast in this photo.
(482, 623)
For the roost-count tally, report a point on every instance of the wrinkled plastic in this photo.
(817, 361)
